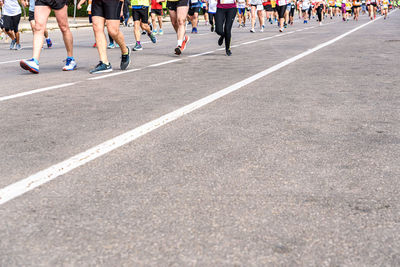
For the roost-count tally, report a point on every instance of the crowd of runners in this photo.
(146, 17)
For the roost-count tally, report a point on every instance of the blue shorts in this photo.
(241, 11)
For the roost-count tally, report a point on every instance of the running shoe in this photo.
(18, 47)
(144, 32)
(185, 42)
(281, 29)
(228, 52)
(111, 46)
(285, 25)
(180, 48)
(261, 29)
(101, 68)
(212, 28)
(152, 38)
(70, 64)
(270, 21)
(31, 65)
(252, 30)
(155, 32)
(49, 43)
(126, 60)
(13, 43)
(221, 40)
(137, 47)
(194, 30)
(94, 45)
(160, 32)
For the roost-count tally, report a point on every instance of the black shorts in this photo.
(11, 22)
(172, 5)
(141, 14)
(31, 15)
(158, 12)
(268, 8)
(108, 9)
(281, 11)
(193, 10)
(53, 4)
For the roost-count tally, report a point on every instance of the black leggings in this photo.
(211, 18)
(225, 16)
(319, 13)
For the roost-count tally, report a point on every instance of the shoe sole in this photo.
(100, 72)
(26, 67)
(70, 70)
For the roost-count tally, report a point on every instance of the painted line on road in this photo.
(4, 98)
(112, 74)
(11, 61)
(23, 186)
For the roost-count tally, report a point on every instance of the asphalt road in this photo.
(298, 167)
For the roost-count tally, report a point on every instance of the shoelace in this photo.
(67, 61)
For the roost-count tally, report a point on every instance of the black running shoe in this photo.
(221, 40)
(126, 60)
(101, 67)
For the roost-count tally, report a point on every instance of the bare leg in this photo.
(62, 20)
(41, 15)
(116, 34)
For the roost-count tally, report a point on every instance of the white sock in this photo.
(180, 42)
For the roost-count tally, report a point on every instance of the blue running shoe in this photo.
(152, 37)
(12, 44)
(70, 64)
(49, 43)
(31, 65)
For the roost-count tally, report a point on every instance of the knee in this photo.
(64, 28)
(38, 28)
(112, 31)
(181, 22)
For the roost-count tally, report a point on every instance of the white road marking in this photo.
(164, 63)
(202, 54)
(112, 74)
(23, 186)
(4, 98)
(11, 61)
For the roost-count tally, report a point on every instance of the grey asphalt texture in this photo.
(299, 168)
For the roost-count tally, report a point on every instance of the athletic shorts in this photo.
(268, 8)
(11, 22)
(31, 15)
(281, 11)
(141, 14)
(172, 5)
(1, 23)
(193, 10)
(204, 10)
(241, 11)
(108, 9)
(158, 12)
(53, 4)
